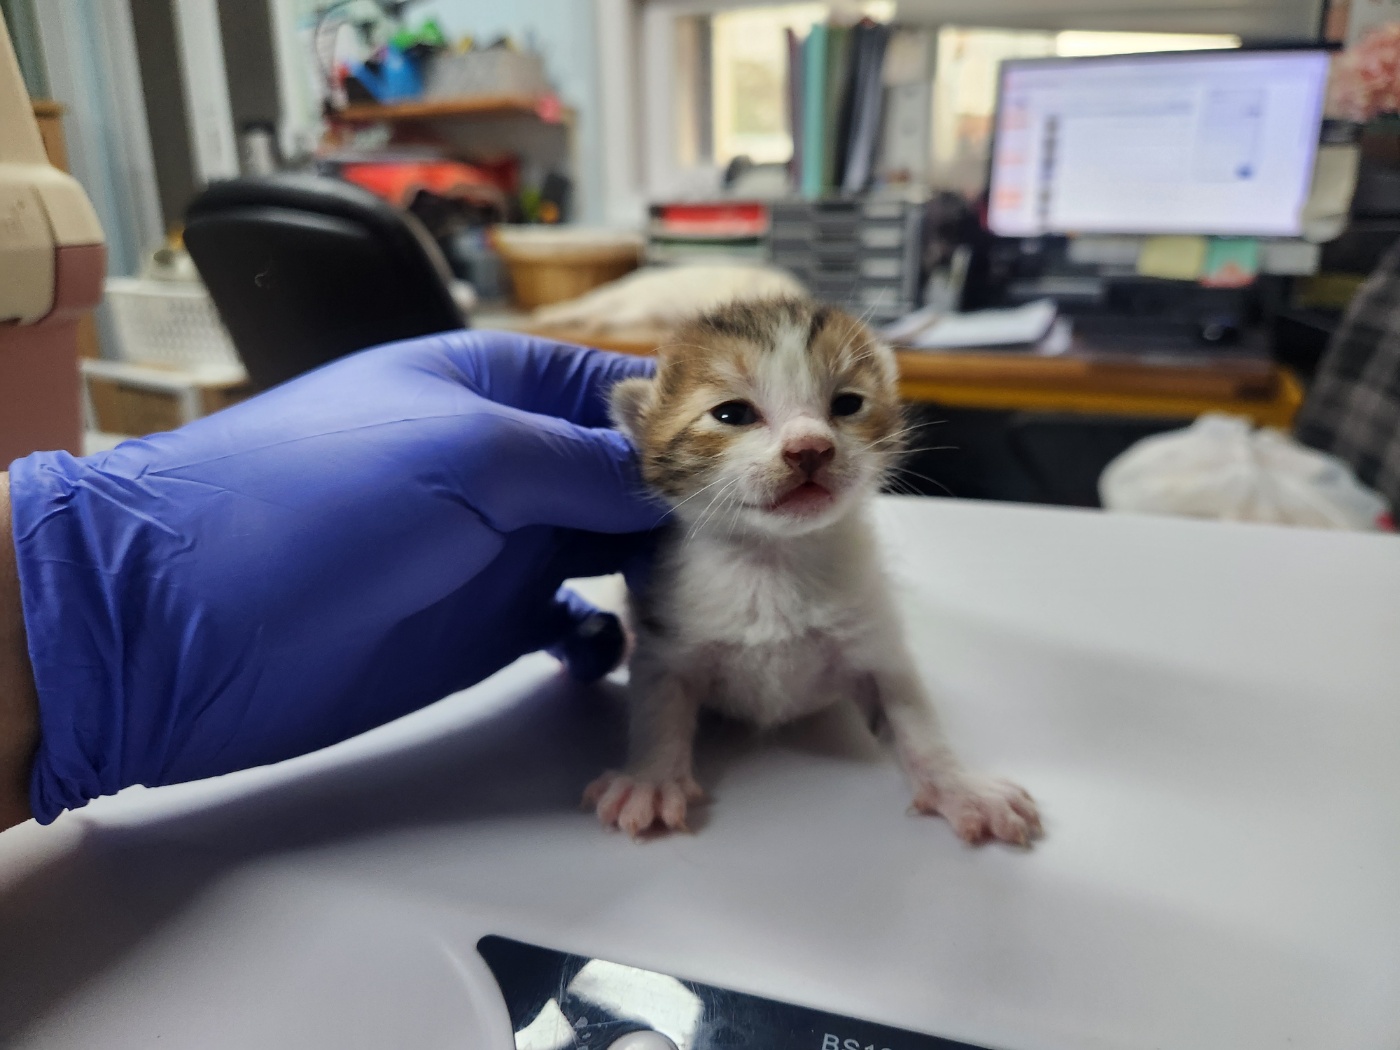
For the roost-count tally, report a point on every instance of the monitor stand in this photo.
(1134, 332)
(1127, 313)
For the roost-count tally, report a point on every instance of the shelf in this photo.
(444, 109)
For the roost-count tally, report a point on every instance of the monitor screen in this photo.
(1210, 142)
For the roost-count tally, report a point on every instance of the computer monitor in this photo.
(1207, 142)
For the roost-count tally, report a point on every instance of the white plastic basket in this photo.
(171, 323)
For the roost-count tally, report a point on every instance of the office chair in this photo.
(305, 269)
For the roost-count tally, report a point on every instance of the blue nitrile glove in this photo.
(319, 560)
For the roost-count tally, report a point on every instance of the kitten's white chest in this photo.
(769, 632)
(768, 595)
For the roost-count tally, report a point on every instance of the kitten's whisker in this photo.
(883, 443)
(697, 492)
(720, 503)
(930, 448)
(886, 440)
(712, 508)
(731, 508)
(704, 515)
(898, 470)
(901, 487)
(866, 351)
(870, 310)
(736, 508)
(909, 428)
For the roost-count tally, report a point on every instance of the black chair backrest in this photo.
(305, 269)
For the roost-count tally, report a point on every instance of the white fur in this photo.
(768, 617)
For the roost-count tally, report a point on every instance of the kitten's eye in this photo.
(846, 404)
(735, 413)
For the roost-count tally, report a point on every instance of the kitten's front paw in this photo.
(981, 807)
(638, 806)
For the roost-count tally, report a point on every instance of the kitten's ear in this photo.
(630, 401)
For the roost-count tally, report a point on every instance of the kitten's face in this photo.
(774, 416)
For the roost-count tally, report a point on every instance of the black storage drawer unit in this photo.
(859, 254)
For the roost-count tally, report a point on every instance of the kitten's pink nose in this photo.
(808, 454)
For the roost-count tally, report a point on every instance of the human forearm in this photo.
(19, 709)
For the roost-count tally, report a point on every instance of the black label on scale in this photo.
(559, 1001)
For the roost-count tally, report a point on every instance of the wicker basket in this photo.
(171, 323)
(552, 265)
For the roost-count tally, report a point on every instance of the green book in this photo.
(814, 117)
(838, 60)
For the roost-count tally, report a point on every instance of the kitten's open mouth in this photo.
(807, 498)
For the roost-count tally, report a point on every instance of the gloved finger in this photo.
(541, 375)
(587, 640)
(520, 469)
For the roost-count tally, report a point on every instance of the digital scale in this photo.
(559, 1001)
(1206, 713)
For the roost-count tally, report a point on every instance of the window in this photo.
(713, 77)
(733, 68)
(748, 68)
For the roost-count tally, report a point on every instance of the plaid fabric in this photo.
(1353, 407)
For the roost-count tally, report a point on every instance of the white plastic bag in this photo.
(1220, 467)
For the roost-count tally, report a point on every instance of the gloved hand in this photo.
(321, 559)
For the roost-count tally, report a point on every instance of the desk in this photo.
(1115, 385)
(1206, 713)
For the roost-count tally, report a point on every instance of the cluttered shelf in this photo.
(1079, 381)
(450, 108)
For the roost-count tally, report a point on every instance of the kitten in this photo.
(768, 427)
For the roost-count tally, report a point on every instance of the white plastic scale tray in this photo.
(1209, 715)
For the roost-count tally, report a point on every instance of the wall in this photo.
(564, 32)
